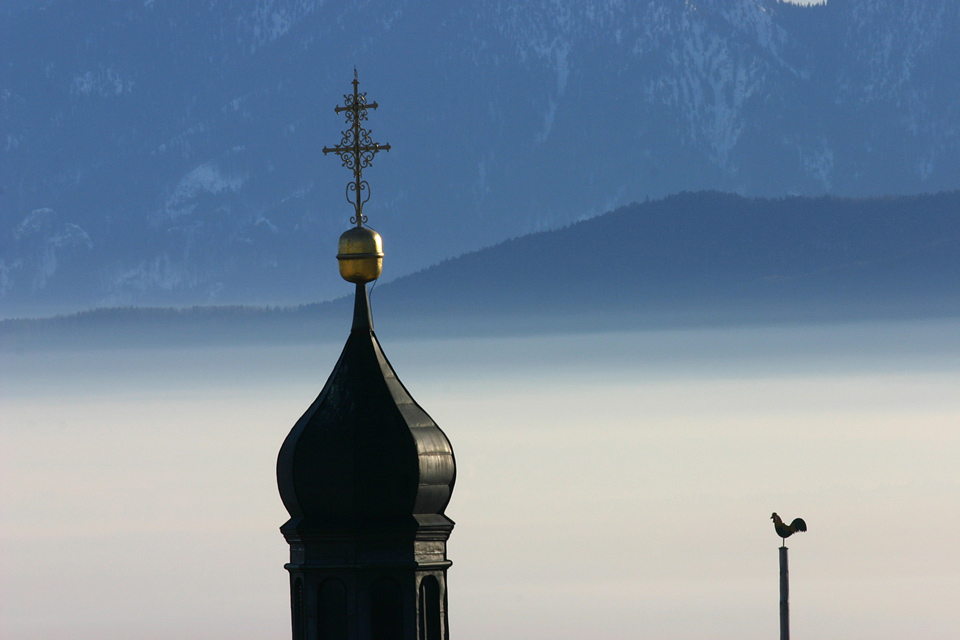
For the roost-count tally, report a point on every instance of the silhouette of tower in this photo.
(365, 473)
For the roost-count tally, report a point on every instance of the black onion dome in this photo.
(365, 454)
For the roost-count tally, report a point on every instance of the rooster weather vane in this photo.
(356, 148)
(785, 530)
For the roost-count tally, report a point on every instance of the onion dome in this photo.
(365, 456)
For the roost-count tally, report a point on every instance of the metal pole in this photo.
(784, 596)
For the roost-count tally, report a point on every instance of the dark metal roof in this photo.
(365, 456)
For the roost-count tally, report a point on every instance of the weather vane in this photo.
(356, 149)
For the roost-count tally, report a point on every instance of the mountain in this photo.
(168, 153)
(702, 257)
(693, 259)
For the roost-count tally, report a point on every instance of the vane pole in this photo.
(784, 596)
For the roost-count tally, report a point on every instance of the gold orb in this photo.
(360, 255)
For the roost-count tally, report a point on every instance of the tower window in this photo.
(429, 602)
(297, 609)
(333, 610)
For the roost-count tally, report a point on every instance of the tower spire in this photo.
(365, 473)
(360, 249)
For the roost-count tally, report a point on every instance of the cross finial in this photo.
(356, 149)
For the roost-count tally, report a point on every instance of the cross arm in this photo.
(365, 105)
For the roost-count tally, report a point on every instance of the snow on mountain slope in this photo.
(183, 139)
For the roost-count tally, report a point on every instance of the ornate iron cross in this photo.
(356, 149)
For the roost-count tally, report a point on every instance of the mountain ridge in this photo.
(688, 260)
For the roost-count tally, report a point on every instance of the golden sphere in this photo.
(360, 254)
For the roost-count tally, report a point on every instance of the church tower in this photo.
(365, 473)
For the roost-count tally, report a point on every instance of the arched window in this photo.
(297, 609)
(386, 610)
(429, 609)
(333, 610)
